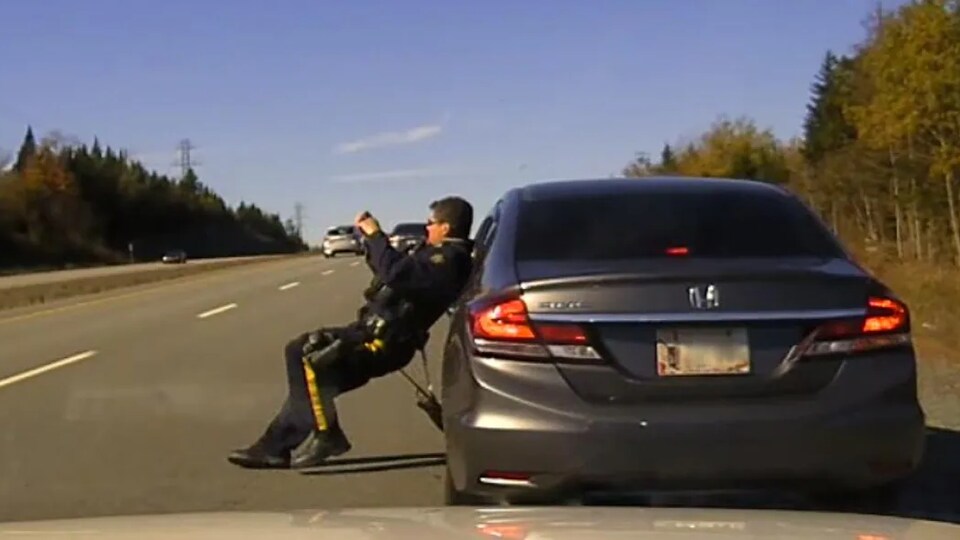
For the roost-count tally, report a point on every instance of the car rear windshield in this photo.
(410, 229)
(340, 231)
(627, 226)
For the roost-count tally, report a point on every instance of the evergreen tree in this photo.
(27, 150)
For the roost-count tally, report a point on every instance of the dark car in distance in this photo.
(625, 335)
(174, 256)
(405, 236)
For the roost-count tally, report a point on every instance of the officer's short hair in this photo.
(457, 213)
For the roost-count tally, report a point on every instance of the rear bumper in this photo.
(404, 243)
(865, 429)
(343, 247)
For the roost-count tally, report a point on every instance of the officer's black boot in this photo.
(257, 456)
(270, 451)
(318, 447)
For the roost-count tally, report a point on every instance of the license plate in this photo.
(702, 351)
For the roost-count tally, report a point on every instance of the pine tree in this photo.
(27, 150)
(668, 160)
(825, 127)
(190, 183)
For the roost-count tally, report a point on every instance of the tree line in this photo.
(72, 203)
(880, 150)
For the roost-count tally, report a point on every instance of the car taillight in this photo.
(561, 334)
(884, 315)
(678, 251)
(507, 320)
(886, 324)
(505, 328)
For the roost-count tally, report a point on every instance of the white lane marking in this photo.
(326, 272)
(49, 367)
(355, 263)
(215, 311)
(290, 285)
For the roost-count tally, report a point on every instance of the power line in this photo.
(185, 161)
(298, 218)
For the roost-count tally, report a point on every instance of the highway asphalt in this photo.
(129, 403)
(36, 278)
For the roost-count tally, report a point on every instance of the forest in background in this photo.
(66, 205)
(879, 158)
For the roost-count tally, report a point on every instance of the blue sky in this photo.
(388, 104)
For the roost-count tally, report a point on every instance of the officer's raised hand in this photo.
(367, 224)
(432, 269)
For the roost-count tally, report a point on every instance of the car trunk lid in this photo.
(695, 329)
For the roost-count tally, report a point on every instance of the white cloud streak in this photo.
(398, 174)
(390, 138)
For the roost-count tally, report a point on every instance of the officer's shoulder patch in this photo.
(437, 258)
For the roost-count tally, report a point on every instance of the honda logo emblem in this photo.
(704, 298)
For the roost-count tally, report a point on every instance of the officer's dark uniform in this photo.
(306, 431)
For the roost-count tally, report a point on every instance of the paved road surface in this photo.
(153, 397)
(35, 278)
(129, 402)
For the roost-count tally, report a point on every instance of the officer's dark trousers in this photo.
(310, 399)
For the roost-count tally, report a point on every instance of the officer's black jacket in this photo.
(432, 278)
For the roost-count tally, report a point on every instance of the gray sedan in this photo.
(673, 333)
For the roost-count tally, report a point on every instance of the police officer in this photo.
(331, 361)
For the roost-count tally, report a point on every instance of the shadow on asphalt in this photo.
(376, 464)
(933, 493)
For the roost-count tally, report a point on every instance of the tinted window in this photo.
(339, 231)
(482, 233)
(411, 229)
(648, 225)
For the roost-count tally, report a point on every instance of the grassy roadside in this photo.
(40, 293)
(933, 294)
